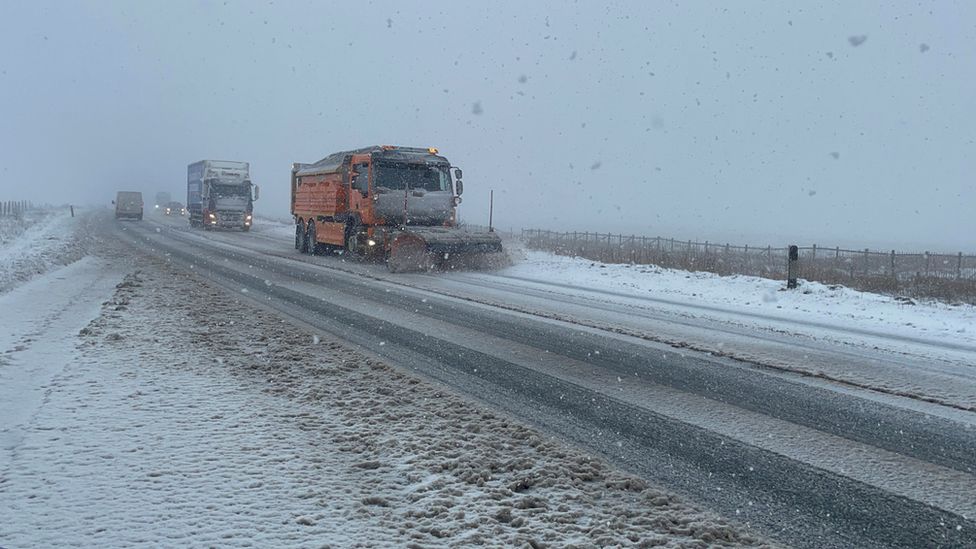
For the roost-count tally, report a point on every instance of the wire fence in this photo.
(14, 208)
(949, 277)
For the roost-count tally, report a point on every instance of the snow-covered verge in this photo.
(187, 417)
(39, 241)
(812, 303)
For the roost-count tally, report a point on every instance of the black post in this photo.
(72, 211)
(791, 265)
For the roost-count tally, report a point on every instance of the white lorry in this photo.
(219, 193)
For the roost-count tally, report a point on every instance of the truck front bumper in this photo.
(234, 220)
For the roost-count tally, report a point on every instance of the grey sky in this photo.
(744, 122)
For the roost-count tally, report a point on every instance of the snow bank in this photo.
(39, 241)
(812, 303)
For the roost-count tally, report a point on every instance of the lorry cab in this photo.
(128, 205)
(220, 194)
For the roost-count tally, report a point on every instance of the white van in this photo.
(128, 205)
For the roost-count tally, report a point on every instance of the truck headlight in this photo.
(371, 242)
(248, 217)
(213, 216)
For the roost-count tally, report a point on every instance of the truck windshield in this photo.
(398, 176)
(227, 191)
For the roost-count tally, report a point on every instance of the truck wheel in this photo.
(353, 245)
(311, 246)
(300, 242)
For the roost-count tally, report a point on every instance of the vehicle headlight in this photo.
(248, 217)
(371, 242)
(213, 216)
(168, 210)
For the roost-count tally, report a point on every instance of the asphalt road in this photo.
(804, 461)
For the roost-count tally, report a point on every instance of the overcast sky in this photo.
(832, 123)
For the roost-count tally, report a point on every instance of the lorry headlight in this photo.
(371, 242)
(248, 217)
(213, 216)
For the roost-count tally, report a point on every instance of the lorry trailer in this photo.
(397, 203)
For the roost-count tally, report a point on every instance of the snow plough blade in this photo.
(423, 248)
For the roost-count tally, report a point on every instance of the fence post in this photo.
(893, 275)
(814, 257)
(791, 263)
(959, 266)
(926, 264)
(866, 261)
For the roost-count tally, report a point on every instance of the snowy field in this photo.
(812, 303)
(157, 410)
(41, 239)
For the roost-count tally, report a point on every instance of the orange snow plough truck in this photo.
(397, 203)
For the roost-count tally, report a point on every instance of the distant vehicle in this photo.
(128, 205)
(162, 198)
(397, 203)
(219, 193)
(174, 208)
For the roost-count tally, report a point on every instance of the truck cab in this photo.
(220, 195)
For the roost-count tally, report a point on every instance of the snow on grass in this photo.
(813, 302)
(188, 418)
(36, 328)
(39, 241)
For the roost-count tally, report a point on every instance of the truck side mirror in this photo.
(360, 180)
(459, 185)
(113, 202)
(457, 173)
(257, 192)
